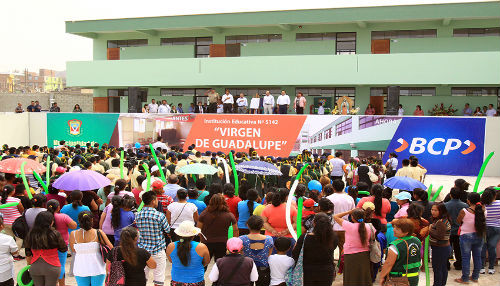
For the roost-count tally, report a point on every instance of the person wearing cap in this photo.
(403, 199)
(163, 199)
(309, 205)
(234, 268)
(188, 257)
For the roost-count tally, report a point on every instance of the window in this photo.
(344, 127)
(177, 41)
(265, 38)
(417, 91)
(177, 92)
(476, 32)
(201, 44)
(345, 44)
(475, 91)
(251, 91)
(143, 93)
(127, 43)
(335, 92)
(399, 34)
(314, 36)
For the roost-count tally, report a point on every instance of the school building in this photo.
(436, 53)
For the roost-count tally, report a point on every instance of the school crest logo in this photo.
(75, 126)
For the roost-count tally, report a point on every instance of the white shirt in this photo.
(153, 108)
(227, 98)
(7, 246)
(180, 213)
(214, 274)
(283, 99)
(321, 110)
(160, 144)
(269, 100)
(279, 265)
(337, 167)
(491, 112)
(164, 109)
(254, 103)
(342, 202)
(242, 101)
(401, 111)
(220, 108)
(393, 162)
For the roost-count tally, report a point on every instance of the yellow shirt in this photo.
(404, 172)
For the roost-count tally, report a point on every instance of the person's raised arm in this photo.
(339, 217)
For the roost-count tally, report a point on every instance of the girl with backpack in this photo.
(125, 264)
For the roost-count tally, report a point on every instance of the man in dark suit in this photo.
(199, 108)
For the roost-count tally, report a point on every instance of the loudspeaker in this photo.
(392, 100)
(134, 102)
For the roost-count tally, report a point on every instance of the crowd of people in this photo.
(351, 224)
(467, 111)
(36, 107)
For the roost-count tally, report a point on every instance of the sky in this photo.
(32, 33)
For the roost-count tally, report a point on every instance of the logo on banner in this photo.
(435, 146)
(75, 126)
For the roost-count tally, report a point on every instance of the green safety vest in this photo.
(414, 260)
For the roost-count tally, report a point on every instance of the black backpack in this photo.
(20, 227)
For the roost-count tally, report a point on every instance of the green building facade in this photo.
(439, 53)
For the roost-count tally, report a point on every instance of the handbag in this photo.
(403, 280)
(103, 248)
(172, 233)
(295, 275)
(375, 251)
(116, 271)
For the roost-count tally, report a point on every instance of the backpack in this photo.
(116, 276)
(20, 227)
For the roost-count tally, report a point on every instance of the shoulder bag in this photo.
(295, 275)
(403, 280)
(375, 251)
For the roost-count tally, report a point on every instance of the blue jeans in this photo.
(471, 243)
(97, 280)
(440, 255)
(492, 238)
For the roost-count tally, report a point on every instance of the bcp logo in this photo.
(436, 146)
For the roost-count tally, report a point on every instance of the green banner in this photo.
(80, 128)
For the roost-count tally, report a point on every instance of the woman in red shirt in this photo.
(418, 111)
(42, 244)
(382, 205)
(231, 200)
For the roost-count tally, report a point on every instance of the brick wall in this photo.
(8, 101)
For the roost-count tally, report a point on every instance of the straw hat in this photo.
(187, 229)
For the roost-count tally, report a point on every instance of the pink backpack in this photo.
(116, 276)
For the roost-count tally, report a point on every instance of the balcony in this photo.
(468, 68)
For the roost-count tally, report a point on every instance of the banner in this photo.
(443, 145)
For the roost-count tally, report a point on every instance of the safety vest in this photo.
(414, 259)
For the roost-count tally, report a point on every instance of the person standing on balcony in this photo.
(268, 103)
(19, 108)
(38, 107)
(153, 107)
(242, 104)
(179, 108)
(228, 101)
(401, 111)
(467, 110)
(164, 107)
(213, 98)
(283, 102)
(55, 108)
(299, 103)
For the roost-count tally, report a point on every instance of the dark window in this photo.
(344, 127)
(335, 92)
(417, 91)
(314, 36)
(346, 43)
(127, 43)
(264, 38)
(178, 41)
(475, 91)
(202, 47)
(476, 32)
(399, 34)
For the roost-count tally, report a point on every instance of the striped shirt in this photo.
(493, 214)
(11, 213)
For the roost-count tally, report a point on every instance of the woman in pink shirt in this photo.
(369, 110)
(382, 205)
(11, 213)
(418, 111)
(357, 268)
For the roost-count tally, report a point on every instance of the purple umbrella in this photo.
(258, 168)
(82, 180)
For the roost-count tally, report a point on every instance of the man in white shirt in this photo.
(337, 163)
(268, 103)
(283, 102)
(159, 144)
(242, 103)
(153, 107)
(342, 202)
(491, 111)
(164, 107)
(227, 102)
(401, 111)
(321, 109)
(391, 165)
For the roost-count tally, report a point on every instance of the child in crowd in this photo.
(309, 205)
(8, 247)
(279, 263)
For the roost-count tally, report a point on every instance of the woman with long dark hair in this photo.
(134, 259)
(245, 210)
(231, 199)
(10, 214)
(105, 220)
(188, 257)
(75, 208)
(122, 216)
(382, 205)
(214, 222)
(275, 213)
(62, 223)
(420, 197)
(356, 247)
(215, 188)
(319, 245)
(42, 244)
(180, 211)
(119, 190)
(440, 243)
(472, 233)
(492, 202)
(38, 202)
